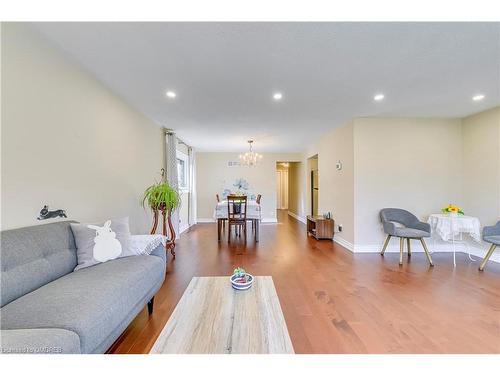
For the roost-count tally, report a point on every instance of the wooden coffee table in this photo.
(212, 317)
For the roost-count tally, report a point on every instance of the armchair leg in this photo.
(401, 245)
(385, 244)
(426, 252)
(150, 305)
(488, 255)
(408, 244)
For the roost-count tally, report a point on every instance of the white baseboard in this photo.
(202, 220)
(342, 242)
(184, 228)
(438, 247)
(297, 217)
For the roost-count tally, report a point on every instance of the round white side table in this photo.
(451, 228)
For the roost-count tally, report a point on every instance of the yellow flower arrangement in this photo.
(452, 209)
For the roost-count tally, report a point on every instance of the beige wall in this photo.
(296, 189)
(413, 164)
(417, 164)
(336, 187)
(67, 141)
(481, 165)
(313, 161)
(333, 146)
(213, 174)
(409, 163)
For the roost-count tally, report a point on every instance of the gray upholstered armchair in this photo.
(491, 235)
(412, 229)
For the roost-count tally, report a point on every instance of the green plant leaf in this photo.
(161, 195)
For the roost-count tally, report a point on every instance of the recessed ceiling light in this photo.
(379, 97)
(171, 94)
(278, 96)
(478, 98)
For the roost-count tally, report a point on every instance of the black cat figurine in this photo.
(46, 214)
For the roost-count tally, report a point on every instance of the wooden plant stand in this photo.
(167, 218)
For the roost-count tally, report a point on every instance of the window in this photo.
(183, 170)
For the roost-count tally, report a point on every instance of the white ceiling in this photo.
(224, 74)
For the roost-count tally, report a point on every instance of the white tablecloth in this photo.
(253, 210)
(450, 227)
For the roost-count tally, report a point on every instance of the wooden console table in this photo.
(320, 228)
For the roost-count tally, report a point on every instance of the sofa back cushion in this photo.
(34, 256)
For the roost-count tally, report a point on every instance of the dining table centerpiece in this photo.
(452, 210)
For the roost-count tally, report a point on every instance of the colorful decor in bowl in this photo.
(240, 280)
(452, 210)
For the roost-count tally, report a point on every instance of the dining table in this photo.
(454, 228)
(254, 214)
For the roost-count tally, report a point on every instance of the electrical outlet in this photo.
(340, 227)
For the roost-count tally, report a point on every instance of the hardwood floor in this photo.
(335, 301)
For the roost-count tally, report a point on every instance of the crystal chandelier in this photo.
(250, 158)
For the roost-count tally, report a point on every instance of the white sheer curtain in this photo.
(192, 186)
(172, 178)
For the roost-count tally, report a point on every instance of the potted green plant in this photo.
(162, 198)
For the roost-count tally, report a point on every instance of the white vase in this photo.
(453, 214)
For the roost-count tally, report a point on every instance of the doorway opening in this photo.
(314, 183)
(288, 191)
(282, 185)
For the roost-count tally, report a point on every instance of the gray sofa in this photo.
(48, 308)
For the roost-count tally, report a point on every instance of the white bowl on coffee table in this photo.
(241, 286)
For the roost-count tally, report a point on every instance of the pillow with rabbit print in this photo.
(98, 243)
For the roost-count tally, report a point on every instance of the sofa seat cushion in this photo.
(91, 302)
(39, 341)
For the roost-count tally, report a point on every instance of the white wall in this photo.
(213, 174)
(415, 164)
(67, 141)
(481, 165)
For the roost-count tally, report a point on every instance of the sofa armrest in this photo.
(39, 341)
(160, 252)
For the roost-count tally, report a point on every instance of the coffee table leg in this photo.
(218, 229)
(257, 230)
